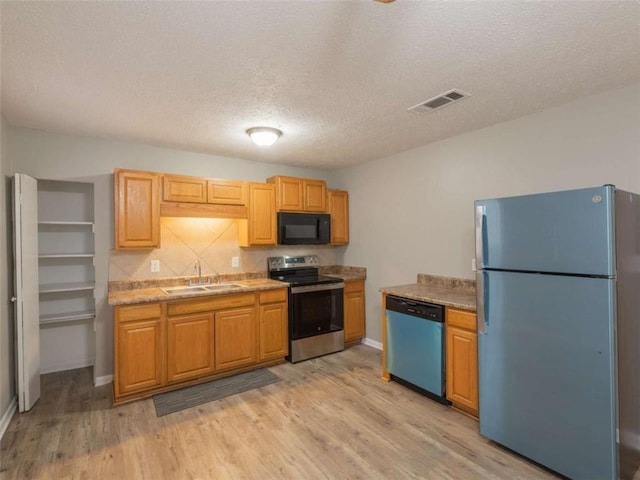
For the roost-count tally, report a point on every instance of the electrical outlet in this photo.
(235, 262)
(155, 266)
(473, 264)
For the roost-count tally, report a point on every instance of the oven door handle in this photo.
(317, 288)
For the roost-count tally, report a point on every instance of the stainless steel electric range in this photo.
(316, 307)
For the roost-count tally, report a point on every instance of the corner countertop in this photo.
(127, 292)
(447, 291)
(348, 274)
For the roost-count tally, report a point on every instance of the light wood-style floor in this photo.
(329, 418)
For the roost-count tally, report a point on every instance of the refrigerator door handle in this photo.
(480, 303)
(480, 212)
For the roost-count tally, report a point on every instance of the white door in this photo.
(27, 311)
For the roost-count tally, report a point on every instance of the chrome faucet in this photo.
(198, 268)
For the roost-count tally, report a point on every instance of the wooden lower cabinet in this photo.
(354, 311)
(235, 338)
(167, 345)
(462, 359)
(190, 346)
(274, 330)
(139, 350)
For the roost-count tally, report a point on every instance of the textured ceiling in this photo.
(336, 77)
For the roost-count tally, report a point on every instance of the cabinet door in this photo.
(189, 346)
(226, 192)
(260, 227)
(137, 199)
(338, 208)
(462, 367)
(314, 195)
(235, 338)
(138, 356)
(274, 339)
(289, 193)
(354, 308)
(181, 188)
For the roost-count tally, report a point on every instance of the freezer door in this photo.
(546, 367)
(561, 232)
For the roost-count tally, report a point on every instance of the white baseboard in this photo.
(7, 416)
(372, 343)
(60, 367)
(103, 380)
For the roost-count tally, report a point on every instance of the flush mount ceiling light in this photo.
(264, 136)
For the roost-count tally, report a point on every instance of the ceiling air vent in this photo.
(440, 101)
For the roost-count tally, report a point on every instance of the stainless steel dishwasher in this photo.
(415, 345)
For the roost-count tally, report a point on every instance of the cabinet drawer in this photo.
(208, 304)
(354, 286)
(273, 296)
(461, 319)
(138, 312)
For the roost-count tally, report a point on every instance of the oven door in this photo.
(316, 309)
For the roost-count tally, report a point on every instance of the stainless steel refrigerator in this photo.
(558, 287)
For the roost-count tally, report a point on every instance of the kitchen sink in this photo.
(200, 288)
(222, 286)
(188, 289)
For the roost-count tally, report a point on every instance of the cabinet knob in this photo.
(13, 299)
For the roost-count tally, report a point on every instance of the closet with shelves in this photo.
(66, 272)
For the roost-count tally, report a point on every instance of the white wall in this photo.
(7, 368)
(65, 157)
(413, 212)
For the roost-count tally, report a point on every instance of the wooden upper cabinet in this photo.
(289, 193)
(338, 208)
(260, 227)
(181, 188)
(315, 195)
(186, 189)
(137, 209)
(226, 192)
(295, 194)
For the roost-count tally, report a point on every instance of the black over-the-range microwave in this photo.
(304, 228)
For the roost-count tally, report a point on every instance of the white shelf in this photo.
(66, 268)
(47, 222)
(66, 317)
(67, 287)
(67, 255)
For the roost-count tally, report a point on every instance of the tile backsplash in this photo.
(212, 241)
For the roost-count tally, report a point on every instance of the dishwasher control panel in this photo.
(428, 311)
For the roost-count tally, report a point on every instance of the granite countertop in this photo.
(448, 291)
(348, 274)
(155, 294)
(128, 292)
